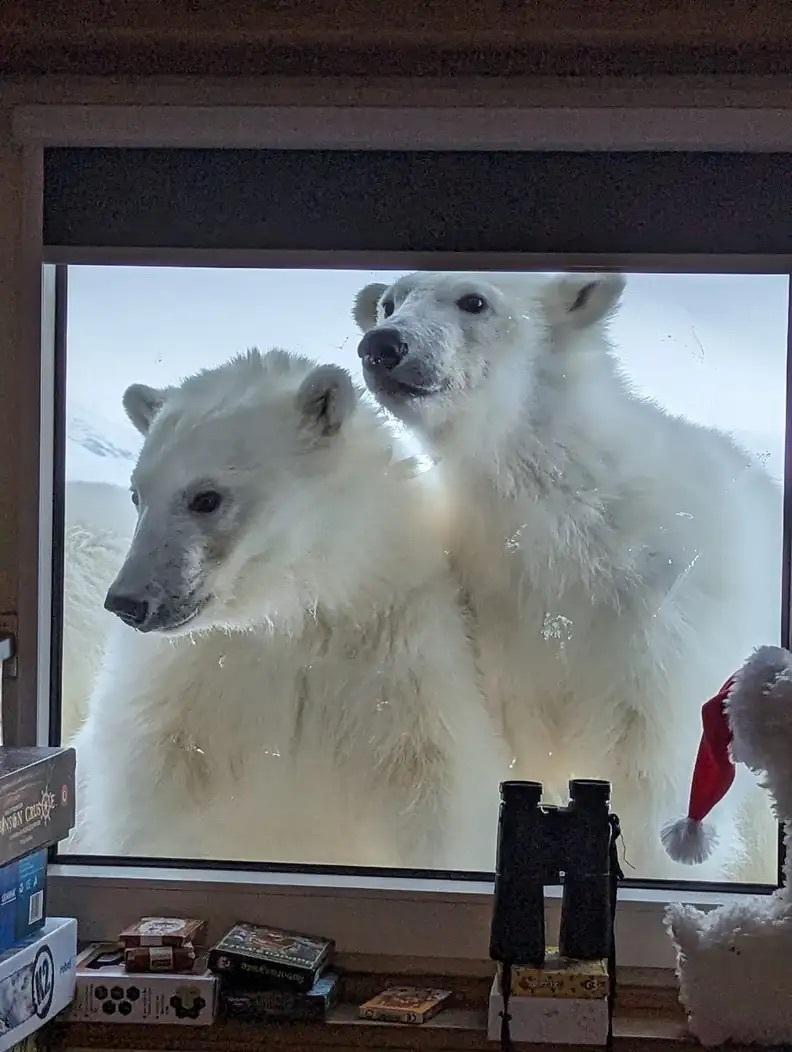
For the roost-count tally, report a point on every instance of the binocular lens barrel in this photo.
(589, 793)
(521, 794)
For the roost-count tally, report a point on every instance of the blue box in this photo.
(23, 897)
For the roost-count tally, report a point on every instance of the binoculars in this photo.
(540, 845)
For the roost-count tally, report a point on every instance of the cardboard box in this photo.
(107, 993)
(561, 977)
(271, 958)
(36, 799)
(405, 1004)
(36, 980)
(162, 931)
(271, 1006)
(550, 1020)
(23, 898)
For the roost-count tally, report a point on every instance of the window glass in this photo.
(317, 605)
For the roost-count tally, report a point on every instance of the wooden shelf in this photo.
(455, 1030)
(648, 1017)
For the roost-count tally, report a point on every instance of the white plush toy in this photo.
(735, 963)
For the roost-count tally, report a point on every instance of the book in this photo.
(258, 955)
(271, 1006)
(405, 1004)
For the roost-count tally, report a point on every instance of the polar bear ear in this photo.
(364, 310)
(141, 404)
(326, 398)
(580, 300)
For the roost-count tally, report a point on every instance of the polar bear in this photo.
(618, 559)
(291, 678)
(97, 530)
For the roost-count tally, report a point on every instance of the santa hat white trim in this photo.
(689, 840)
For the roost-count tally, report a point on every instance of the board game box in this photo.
(106, 993)
(560, 977)
(23, 897)
(36, 799)
(271, 1006)
(36, 980)
(258, 955)
(405, 1004)
(160, 958)
(538, 1020)
(162, 931)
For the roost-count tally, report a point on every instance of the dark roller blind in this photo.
(719, 203)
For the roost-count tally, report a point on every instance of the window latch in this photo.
(8, 650)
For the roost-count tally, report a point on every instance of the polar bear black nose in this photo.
(382, 348)
(133, 612)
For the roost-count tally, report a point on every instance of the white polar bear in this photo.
(99, 522)
(294, 681)
(618, 559)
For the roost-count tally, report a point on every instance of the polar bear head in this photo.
(259, 495)
(436, 344)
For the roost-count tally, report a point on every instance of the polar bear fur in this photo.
(618, 559)
(302, 687)
(99, 522)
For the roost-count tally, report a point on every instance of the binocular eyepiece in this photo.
(584, 793)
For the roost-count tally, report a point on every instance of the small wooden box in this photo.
(560, 977)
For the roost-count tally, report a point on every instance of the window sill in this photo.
(440, 926)
(648, 1015)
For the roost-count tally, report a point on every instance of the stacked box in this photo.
(162, 944)
(560, 977)
(252, 1005)
(36, 980)
(36, 811)
(23, 897)
(36, 954)
(563, 1002)
(270, 974)
(107, 993)
(36, 799)
(152, 974)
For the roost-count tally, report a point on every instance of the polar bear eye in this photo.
(387, 308)
(206, 502)
(135, 498)
(472, 304)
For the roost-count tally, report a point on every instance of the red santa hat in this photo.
(690, 840)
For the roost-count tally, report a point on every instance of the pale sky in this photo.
(710, 347)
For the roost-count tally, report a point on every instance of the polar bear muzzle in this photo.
(391, 371)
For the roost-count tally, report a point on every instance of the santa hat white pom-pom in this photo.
(688, 841)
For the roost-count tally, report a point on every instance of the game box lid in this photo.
(36, 798)
(257, 954)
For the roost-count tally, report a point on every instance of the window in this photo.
(680, 340)
(104, 208)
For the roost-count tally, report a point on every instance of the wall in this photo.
(368, 37)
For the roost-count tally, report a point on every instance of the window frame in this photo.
(428, 924)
